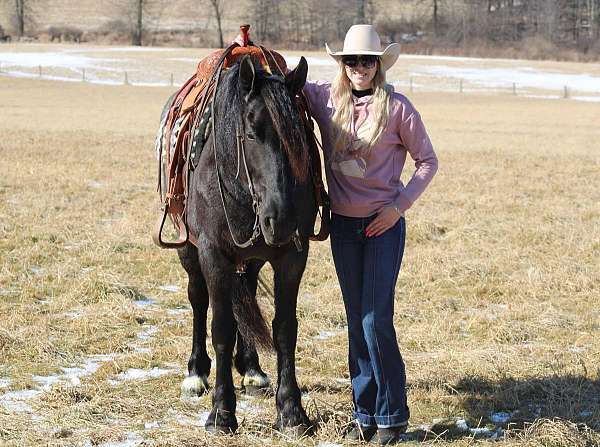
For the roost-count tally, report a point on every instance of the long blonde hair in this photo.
(341, 91)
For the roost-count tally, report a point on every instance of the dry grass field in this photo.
(496, 304)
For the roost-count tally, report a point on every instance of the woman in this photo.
(367, 130)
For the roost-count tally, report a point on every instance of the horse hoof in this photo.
(194, 386)
(218, 423)
(256, 384)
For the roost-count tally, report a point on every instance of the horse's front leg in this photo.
(288, 274)
(221, 279)
(246, 358)
(196, 383)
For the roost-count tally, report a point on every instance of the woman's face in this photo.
(360, 70)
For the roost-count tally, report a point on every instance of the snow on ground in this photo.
(438, 73)
(169, 288)
(521, 76)
(141, 374)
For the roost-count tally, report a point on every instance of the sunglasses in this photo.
(367, 61)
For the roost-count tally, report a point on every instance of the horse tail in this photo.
(250, 320)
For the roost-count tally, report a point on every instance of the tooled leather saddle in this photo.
(185, 127)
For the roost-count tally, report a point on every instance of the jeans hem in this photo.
(390, 421)
(364, 419)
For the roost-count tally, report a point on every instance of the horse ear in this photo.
(247, 76)
(296, 78)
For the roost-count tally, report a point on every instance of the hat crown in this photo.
(362, 38)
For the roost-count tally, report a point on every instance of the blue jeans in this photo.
(367, 270)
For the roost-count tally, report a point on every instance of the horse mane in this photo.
(282, 110)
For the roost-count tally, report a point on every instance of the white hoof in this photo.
(256, 380)
(193, 386)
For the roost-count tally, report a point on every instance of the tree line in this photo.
(420, 25)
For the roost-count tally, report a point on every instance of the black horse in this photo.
(254, 168)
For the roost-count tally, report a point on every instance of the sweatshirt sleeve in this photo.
(317, 94)
(416, 141)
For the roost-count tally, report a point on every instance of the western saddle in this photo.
(185, 128)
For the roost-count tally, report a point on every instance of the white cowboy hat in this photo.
(363, 39)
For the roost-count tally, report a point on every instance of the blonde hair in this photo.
(341, 91)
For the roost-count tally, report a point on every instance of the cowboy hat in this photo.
(363, 39)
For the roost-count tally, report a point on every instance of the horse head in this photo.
(275, 145)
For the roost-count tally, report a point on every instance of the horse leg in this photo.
(221, 281)
(196, 382)
(288, 274)
(246, 358)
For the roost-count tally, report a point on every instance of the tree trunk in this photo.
(139, 24)
(216, 4)
(435, 18)
(20, 15)
(360, 11)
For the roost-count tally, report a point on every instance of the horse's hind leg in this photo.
(196, 383)
(246, 358)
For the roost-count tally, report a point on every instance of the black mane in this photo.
(282, 110)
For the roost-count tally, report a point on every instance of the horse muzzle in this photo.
(277, 233)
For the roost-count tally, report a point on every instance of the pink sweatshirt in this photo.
(360, 185)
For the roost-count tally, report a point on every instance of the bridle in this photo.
(241, 155)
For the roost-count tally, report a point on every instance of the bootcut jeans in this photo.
(367, 270)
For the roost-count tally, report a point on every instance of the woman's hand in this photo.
(386, 219)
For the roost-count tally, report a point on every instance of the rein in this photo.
(239, 136)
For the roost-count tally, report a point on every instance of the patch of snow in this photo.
(522, 77)
(151, 425)
(342, 380)
(50, 59)
(4, 383)
(37, 270)
(7, 292)
(145, 302)
(46, 382)
(501, 417)
(203, 417)
(95, 184)
(147, 332)
(169, 288)
(73, 315)
(462, 425)
(132, 440)
(483, 432)
(328, 444)
(324, 335)
(177, 311)
(16, 401)
(141, 374)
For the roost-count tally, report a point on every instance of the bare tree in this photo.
(136, 35)
(217, 6)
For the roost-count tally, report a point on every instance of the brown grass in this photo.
(497, 300)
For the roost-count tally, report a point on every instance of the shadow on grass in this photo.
(570, 397)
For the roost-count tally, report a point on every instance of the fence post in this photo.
(83, 75)
(126, 80)
(172, 81)
(566, 92)
(411, 85)
(460, 88)
(514, 89)
(40, 67)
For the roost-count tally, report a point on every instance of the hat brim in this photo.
(389, 56)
